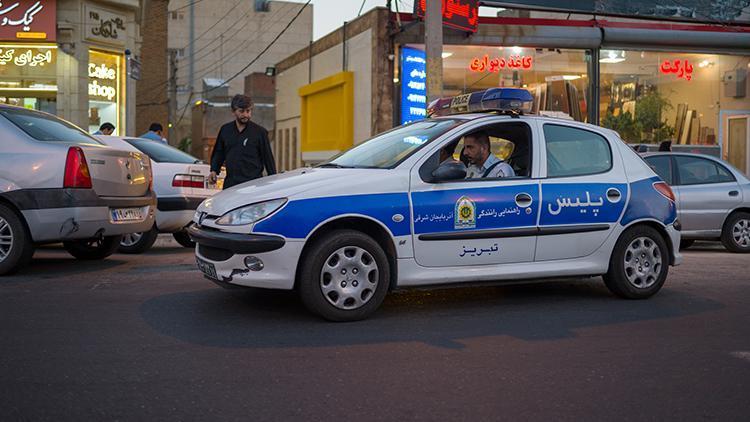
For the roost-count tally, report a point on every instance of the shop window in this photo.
(105, 89)
(575, 152)
(650, 97)
(28, 76)
(558, 78)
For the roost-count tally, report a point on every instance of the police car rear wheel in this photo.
(345, 276)
(639, 264)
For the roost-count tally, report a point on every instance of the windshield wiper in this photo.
(334, 165)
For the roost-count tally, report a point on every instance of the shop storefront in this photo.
(68, 58)
(693, 93)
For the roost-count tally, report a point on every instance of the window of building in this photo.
(575, 152)
(106, 85)
(649, 97)
(28, 76)
(558, 78)
(697, 171)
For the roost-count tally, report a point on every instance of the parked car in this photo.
(59, 184)
(391, 213)
(713, 198)
(180, 183)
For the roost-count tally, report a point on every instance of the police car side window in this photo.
(575, 152)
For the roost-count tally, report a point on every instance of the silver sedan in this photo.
(713, 198)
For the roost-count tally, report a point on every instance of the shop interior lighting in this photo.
(612, 56)
(517, 50)
(446, 54)
(705, 63)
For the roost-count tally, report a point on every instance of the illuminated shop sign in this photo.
(681, 68)
(413, 85)
(496, 64)
(25, 57)
(104, 76)
(28, 19)
(458, 14)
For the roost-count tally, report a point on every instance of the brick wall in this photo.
(152, 103)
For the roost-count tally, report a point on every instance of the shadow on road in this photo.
(269, 319)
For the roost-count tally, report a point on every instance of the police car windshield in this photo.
(389, 149)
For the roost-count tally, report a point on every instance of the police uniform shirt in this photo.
(245, 154)
(501, 169)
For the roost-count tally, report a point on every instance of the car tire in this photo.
(639, 264)
(735, 235)
(16, 247)
(92, 249)
(135, 243)
(686, 243)
(183, 238)
(344, 276)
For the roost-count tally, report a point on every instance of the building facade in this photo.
(227, 35)
(650, 81)
(70, 58)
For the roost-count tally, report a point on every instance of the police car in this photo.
(392, 213)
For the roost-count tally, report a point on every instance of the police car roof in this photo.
(467, 117)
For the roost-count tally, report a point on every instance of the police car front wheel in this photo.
(639, 264)
(344, 276)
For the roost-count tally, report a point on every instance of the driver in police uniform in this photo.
(482, 162)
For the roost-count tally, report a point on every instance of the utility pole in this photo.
(172, 128)
(433, 39)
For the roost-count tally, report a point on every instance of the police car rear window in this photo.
(389, 149)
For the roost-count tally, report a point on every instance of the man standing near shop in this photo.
(242, 146)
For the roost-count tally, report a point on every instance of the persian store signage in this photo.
(23, 57)
(496, 64)
(104, 26)
(458, 14)
(102, 81)
(28, 19)
(682, 69)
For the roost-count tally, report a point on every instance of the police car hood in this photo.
(296, 184)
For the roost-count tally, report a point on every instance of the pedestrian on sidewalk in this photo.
(242, 146)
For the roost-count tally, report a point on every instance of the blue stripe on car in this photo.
(581, 203)
(647, 202)
(298, 218)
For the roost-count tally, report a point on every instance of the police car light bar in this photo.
(504, 100)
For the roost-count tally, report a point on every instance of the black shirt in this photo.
(245, 153)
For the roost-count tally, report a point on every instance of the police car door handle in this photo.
(523, 200)
(613, 195)
(734, 193)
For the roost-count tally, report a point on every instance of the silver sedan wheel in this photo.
(131, 239)
(6, 239)
(643, 262)
(741, 233)
(349, 278)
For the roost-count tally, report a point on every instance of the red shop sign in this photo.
(496, 64)
(459, 14)
(683, 69)
(28, 20)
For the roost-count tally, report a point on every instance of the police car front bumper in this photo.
(250, 260)
(673, 230)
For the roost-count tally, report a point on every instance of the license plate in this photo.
(126, 214)
(207, 268)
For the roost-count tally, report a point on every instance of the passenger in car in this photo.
(483, 163)
(446, 153)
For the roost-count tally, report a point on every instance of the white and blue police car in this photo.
(395, 212)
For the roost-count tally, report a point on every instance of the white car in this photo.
(391, 212)
(181, 184)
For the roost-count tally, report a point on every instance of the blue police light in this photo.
(508, 100)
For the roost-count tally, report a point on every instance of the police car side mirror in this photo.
(449, 171)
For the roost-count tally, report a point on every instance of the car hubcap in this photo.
(349, 278)
(741, 233)
(643, 261)
(131, 239)
(6, 239)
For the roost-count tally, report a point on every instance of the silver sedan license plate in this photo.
(120, 215)
(208, 269)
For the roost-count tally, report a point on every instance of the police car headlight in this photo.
(251, 213)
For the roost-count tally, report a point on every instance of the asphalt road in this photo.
(147, 338)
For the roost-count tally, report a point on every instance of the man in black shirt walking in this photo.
(242, 146)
